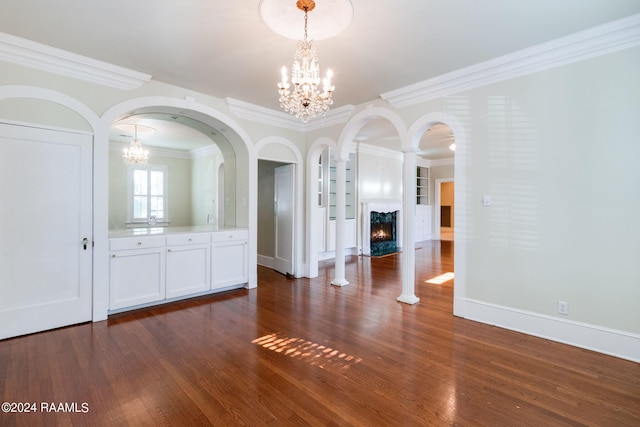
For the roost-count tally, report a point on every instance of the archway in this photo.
(346, 145)
(244, 176)
(55, 133)
(281, 151)
(315, 221)
(416, 131)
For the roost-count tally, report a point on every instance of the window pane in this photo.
(157, 206)
(139, 206)
(139, 182)
(157, 186)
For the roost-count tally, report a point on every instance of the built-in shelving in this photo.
(422, 185)
(350, 188)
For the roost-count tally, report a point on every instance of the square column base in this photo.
(408, 299)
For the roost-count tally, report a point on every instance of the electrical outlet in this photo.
(563, 307)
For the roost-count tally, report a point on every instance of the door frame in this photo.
(293, 156)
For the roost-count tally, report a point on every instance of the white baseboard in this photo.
(100, 311)
(624, 345)
(323, 256)
(265, 261)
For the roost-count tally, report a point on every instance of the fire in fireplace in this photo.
(381, 232)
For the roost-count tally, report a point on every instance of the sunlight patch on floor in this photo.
(313, 353)
(439, 280)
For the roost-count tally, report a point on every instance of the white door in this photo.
(283, 195)
(45, 214)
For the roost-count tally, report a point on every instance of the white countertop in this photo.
(163, 231)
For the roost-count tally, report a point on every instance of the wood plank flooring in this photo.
(297, 352)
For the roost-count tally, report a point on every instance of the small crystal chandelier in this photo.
(305, 100)
(135, 155)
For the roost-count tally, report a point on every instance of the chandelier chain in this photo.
(304, 98)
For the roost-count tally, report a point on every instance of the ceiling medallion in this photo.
(330, 17)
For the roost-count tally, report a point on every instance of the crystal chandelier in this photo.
(303, 97)
(135, 155)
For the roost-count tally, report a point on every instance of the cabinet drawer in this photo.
(226, 235)
(127, 243)
(188, 239)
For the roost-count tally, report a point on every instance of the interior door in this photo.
(45, 217)
(283, 195)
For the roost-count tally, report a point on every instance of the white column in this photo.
(408, 213)
(341, 201)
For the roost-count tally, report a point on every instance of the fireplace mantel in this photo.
(383, 206)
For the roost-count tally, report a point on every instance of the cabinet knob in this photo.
(139, 243)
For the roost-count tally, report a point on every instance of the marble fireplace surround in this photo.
(382, 206)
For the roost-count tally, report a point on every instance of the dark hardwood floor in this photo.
(297, 352)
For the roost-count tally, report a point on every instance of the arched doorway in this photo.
(280, 201)
(449, 130)
(46, 270)
(240, 180)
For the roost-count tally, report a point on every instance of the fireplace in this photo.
(381, 227)
(383, 233)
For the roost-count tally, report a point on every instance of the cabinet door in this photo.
(136, 277)
(229, 264)
(350, 234)
(188, 270)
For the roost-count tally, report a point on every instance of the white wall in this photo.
(379, 175)
(557, 152)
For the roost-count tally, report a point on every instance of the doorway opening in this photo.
(276, 195)
(445, 209)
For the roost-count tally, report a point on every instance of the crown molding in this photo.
(46, 58)
(333, 117)
(601, 40)
(379, 151)
(441, 162)
(256, 113)
(170, 152)
(208, 150)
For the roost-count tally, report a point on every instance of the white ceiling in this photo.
(222, 48)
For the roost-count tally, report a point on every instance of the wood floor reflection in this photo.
(299, 352)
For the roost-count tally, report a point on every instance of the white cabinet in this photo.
(151, 269)
(423, 223)
(350, 233)
(137, 274)
(229, 256)
(188, 268)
